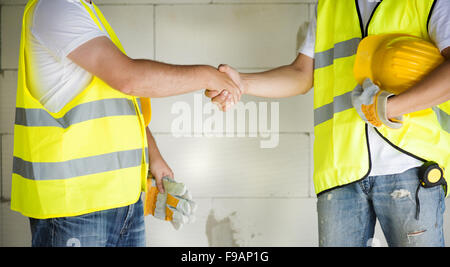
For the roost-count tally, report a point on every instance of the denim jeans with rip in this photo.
(347, 215)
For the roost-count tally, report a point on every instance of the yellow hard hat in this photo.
(146, 109)
(395, 62)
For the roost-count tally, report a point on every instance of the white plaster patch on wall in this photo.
(220, 232)
(230, 231)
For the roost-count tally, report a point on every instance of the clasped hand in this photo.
(222, 97)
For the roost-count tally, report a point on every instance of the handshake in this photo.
(228, 89)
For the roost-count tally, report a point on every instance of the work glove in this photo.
(174, 205)
(370, 102)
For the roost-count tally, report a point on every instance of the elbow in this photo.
(133, 88)
(303, 69)
(130, 81)
(123, 78)
(303, 90)
(126, 87)
(304, 81)
(306, 87)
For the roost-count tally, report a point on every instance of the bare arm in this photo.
(147, 78)
(284, 81)
(433, 90)
(158, 166)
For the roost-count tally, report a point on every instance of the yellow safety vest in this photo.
(341, 151)
(90, 156)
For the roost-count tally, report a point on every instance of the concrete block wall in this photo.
(246, 195)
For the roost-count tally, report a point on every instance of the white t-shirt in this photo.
(386, 159)
(58, 28)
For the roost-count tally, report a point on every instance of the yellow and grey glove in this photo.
(174, 205)
(370, 102)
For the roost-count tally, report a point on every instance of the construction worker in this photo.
(361, 172)
(81, 147)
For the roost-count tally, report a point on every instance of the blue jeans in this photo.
(119, 227)
(347, 214)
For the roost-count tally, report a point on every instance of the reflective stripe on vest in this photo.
(83, 112)
(443, 118)
(326, 112)
(341, 152)
(77, 167)
(346, 48)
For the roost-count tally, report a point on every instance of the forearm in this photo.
(281, 82)
(158, 166)
(433, 90)
(153, 151)
(285, 81)
(154, 79)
